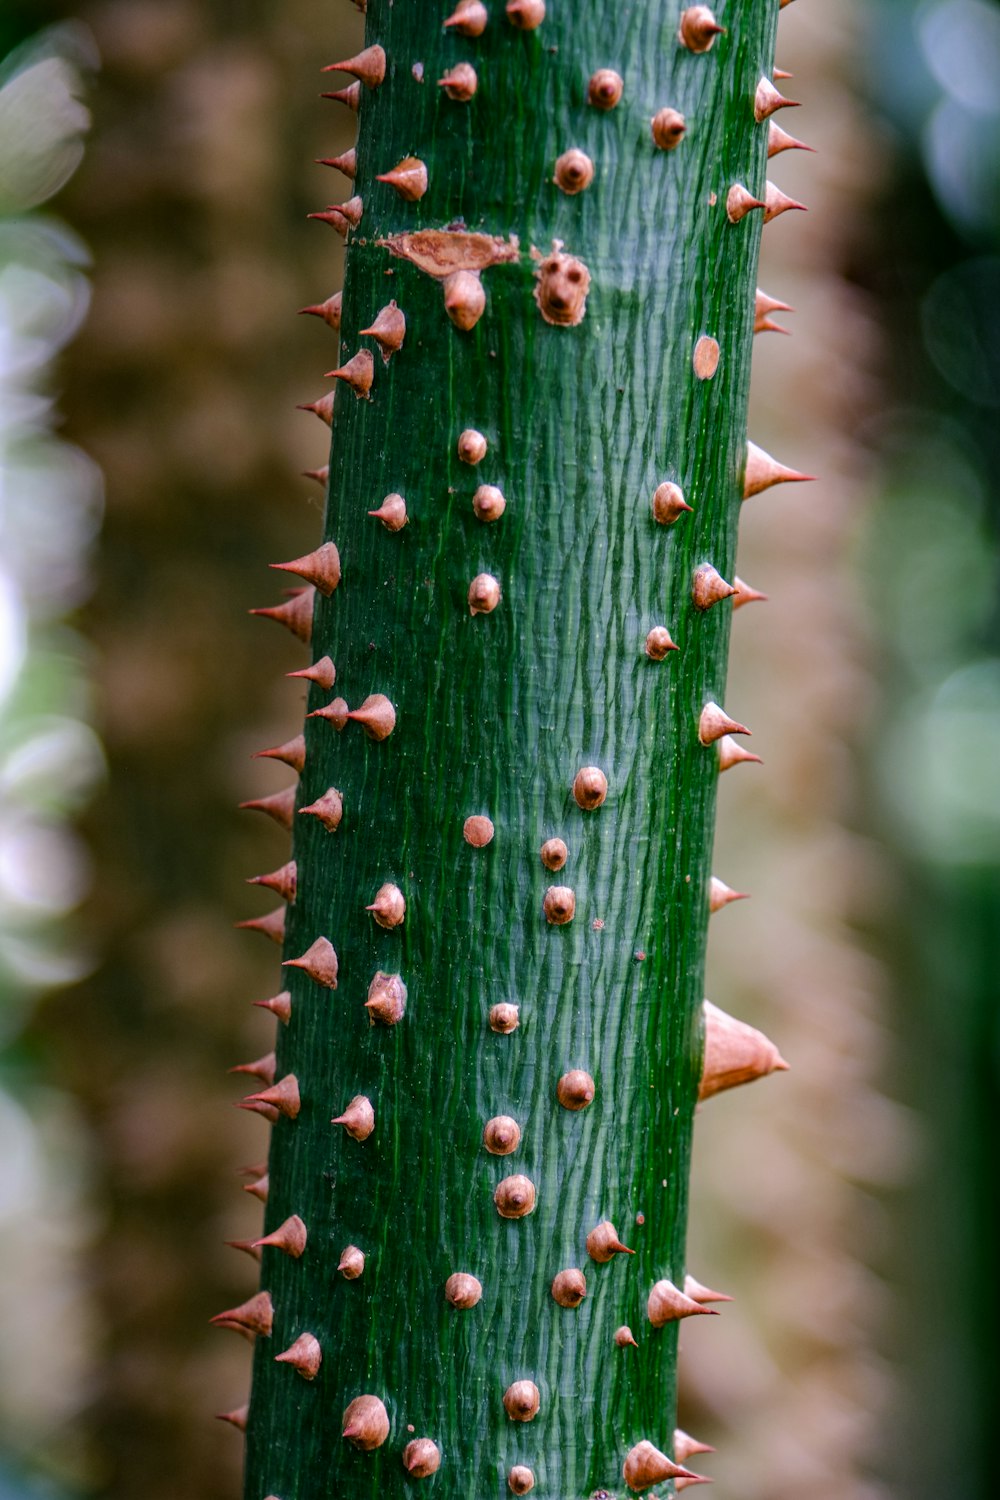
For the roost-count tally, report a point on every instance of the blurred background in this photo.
(156, 165)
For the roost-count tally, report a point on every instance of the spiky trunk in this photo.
(496, 936)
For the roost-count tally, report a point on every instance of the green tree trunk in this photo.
(509, 650)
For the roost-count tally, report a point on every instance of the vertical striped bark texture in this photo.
(495, 714)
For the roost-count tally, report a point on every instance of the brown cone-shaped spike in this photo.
(323, 408)
(659, 643)
(574, 172)
(569, 1288)
(296, 614)
(389, 906)
(256, 1315)
(625, 1338)
(666, 1304)
(392, 513)
(709, 587)
(668, 503)
(501, 1135)
(605, 89)
(282, 881)
(575, 1089)
(526, 15)
(460, 82)
(279, 805)
(469, 18)
(253, 1170)
(408, 177)
(686, 1480)
(603, 1243)
(720, 894)
(522, 1400)
(505, 1018)
(646, 1466)
(329, 311)
(278, 1005)
(464, 298)
(262, 1068)
(776, 202)
(669, 128)
(421, 1458)
(259, 1188)
(515, 1197)
(462, 1290)
(290, 1237)
(699, 1293)
(735, 1053)
(561, 286)
(472, 446)
(488, 503)
(762, 471)
(368, 66)
(520, 1480)
(484, 594)
(236, 1418)
(731, 752)
(305, 1356)
(249, 1247)
(779, 140)
(698, 29)
(745, 594)
(388, 330)
(271, 925)
(739, 203)
(282, 1096)
(358, 373)
(386, 999)
(767, 99)
(559, 905)
(351, 96)
(764, 306)
(553, 854)
(322, 672)
(590, 788)
(376, 716)
(358, 1118)
(256, 1107)
(335, 217)
(291, 753)
(685, 1446)
(366, 1423)
(319, 961)
(329, 809)
(346, 163)
(335, 712)
(715, 722)
(352, 1263)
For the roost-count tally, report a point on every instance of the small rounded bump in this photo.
(488, 503)
(352, 1263)
(698, 29)
(603, 1243)
(559, 905)
(569, 1288)
(505, 1018)
(553, 854)
(421, 1458)
(625, 1338)
(386, 999)
(705, 360)
(668, 503)
(605, 89)
(501, 1135)
(484, 594)
(462, 1290)
(590, 788)
(471, 446)
(522, 1400)
(464, 298)
(574, 172)
(478, 830)
(526, 15)
(392, 513)
(520, 1480)
(659, 643)
(515, 1197)
(366, 1423)
(575, 1089)
(668, 127)
(460, 82)
(389, 906)
(561, 286)
(469, 18)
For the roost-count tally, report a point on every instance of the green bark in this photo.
(495, 715)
